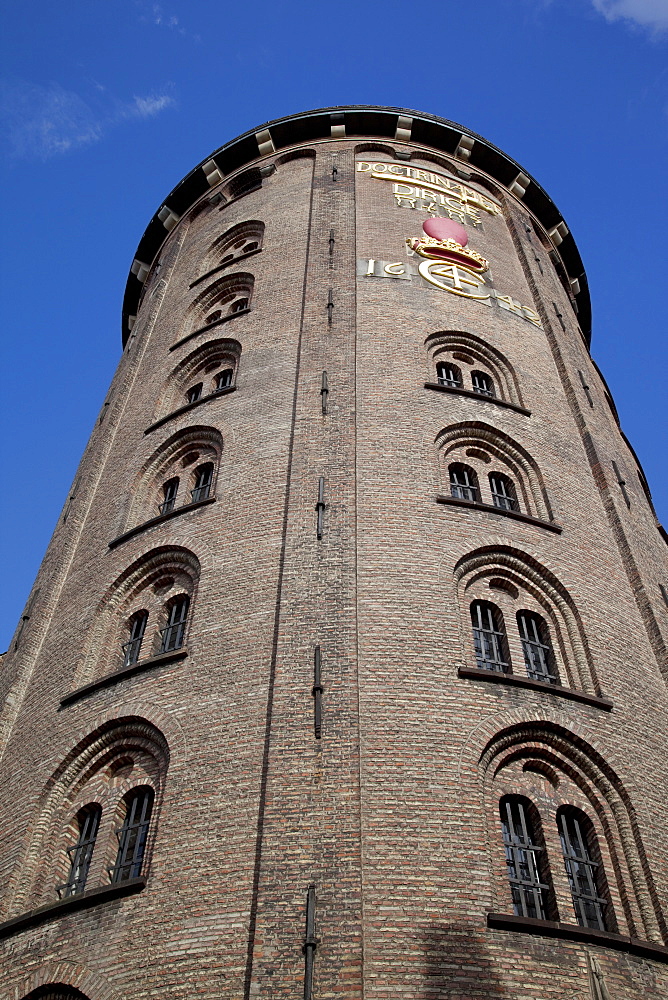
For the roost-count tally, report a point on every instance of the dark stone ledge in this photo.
(209, 326)
(516, 515)
(52, 911)
(159, 520)
(573, 932)
(222, 267)
(477, 395)
(190, 406)
(120, 675)
(496, 677)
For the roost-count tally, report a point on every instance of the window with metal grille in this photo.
(482, 384)
(489, 637)
(526, 860)
(195, 392)
(224, 379)
(578, 844)
(132, 835)
(132, 648)
(174, 631)
(238, 305)
(503, 491)
(448, 374)
(203, 480)
(537, 648)
(463, 482)
(170, 490)
(80, 854)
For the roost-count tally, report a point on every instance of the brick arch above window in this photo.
(221, 299)
(558, 770)
(517, 582)
(240, 240)
(471, 353)
(201, 365)
(491, 451)
(101, 768)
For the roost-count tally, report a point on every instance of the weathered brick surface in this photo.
(392, 815)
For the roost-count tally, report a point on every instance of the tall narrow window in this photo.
(194, 392)
(584, 874)
(503, 491)
(482, 384)
(132, 835)
(132, 648)
(80, 854)
(525, 858)
(224, 379)
(174, 631)
(538, 653)
(489, 637)
(448, 374)
(170, 490)
(203, 480)
(463, 482)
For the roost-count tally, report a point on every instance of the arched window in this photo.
(223, 379)
(584, 871)
(239, 305)
(463, 482)
(56, 991)
(170, 490)
(482, 384)
(203, 481)
(489, 637)
(173, 634)
(526, 859)
(132, 834)
(537, 648)
(502, 489)
(242, 239)
(80, 853)
(132, 648)
(195, 391)
(448, 374)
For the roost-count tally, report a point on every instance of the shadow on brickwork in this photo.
(458, 966)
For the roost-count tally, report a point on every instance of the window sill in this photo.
(52, 911)
(573, 932)
(496, 677)
(222, 267)
(209, 326)
(120, 675)
(516, 515)
(437, 387)
(159, 520)
(190, 406)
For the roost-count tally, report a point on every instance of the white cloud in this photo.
(39, 122)
(651, 14)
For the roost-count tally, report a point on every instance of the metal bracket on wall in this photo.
(622, 485)
(330, 306)
(586, 389)
(331, 242)
(324, 392)
(320, 506)
(310, 943)
(335, 171)
(559, 316)
(317, 693)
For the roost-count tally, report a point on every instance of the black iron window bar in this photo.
(538, 653)
(588, 903)
(173, 634)
(502, 496)
(80, 854)
(529, 892)
(489, 638)
(132, 836)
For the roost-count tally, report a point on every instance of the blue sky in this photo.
(106, 104)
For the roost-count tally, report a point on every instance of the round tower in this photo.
(345, 672)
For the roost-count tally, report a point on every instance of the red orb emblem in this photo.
(445, 229)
